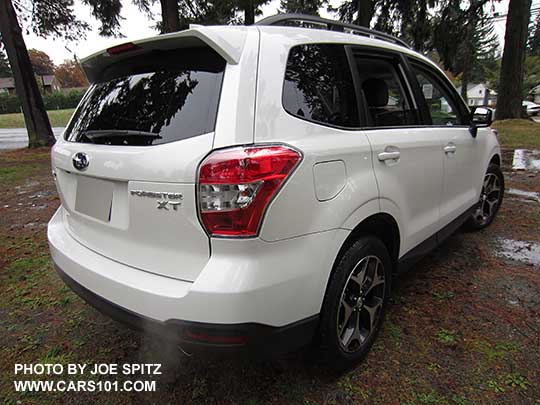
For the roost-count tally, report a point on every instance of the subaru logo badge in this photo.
(80, 161)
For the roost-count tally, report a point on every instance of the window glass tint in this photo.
(440, 105)
(318, 85)
(166, 100)
(384, 94)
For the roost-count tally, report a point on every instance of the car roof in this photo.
(299, 35)
(229, 41)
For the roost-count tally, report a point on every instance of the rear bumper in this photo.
(246, 338)
(251, 295)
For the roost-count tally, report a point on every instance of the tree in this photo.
(45, 18)
(170, 19)
(35, 116)
(41, 62)
(250, 8)
(478, 50)
(417, 23)
(465, 41)
(206, 13)
(531, 74)
(70, 74)
(359, 12)
(176, 15)
(511, 81)
(533, 44)
(412, 20)
(5, 69)
(302, 6)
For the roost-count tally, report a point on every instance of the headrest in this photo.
(376, 92)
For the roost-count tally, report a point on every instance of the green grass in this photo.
(518, 133)
(58, 118)
(16, 174)
(446, 336)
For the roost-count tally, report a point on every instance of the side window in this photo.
(318, 85)
(384, 93)
(440, 104)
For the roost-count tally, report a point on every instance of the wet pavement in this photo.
(521, 251)
(526, 195)
(16, 138)
(525, 159)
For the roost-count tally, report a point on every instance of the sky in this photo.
(136, 25)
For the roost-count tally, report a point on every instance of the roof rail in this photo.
(298, 19)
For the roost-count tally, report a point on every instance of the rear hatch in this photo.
(142, 128)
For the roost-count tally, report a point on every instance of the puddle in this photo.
(530, 195)
(521, 251)
(525, 159)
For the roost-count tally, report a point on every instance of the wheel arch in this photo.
(383, 226)
(495, 159)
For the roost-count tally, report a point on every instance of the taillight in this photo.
(236, 185)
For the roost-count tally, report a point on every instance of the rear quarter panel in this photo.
(297, 210)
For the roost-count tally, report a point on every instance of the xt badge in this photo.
(164, 205)
(163, 198)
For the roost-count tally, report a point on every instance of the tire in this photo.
(353, 290)
(491, 198)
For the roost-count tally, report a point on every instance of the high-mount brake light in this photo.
(236, 185)
(126, 47)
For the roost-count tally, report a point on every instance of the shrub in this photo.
(9, 104)
(52, 101)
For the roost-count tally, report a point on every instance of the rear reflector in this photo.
(236, 185)
(128, 46)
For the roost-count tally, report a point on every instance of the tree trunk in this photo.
(170, 17)
(467, 56)
(511, 80)
(249, 13)
(465, 76)
(464, 86)
(35, 116)
(365, 10)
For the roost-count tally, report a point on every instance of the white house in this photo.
(480, 94)
(7, 85)
(535, 93)
(48, 82)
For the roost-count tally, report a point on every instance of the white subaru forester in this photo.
(256, 188)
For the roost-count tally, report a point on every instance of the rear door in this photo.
(126, 170)
(407, 159)
(463, 159)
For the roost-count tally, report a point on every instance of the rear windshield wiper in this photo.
(118, 133)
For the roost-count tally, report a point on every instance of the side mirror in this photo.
(481, 117)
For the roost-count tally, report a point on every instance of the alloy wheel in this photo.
(361, 304)
(490, 198)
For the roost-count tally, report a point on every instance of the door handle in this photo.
(389, 155)
(450, 148)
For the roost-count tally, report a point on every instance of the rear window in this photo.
(318, 85)
(151, 99)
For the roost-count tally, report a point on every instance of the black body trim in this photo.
(421, 250)
(243, 338)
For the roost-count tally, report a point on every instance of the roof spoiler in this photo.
(226, 41)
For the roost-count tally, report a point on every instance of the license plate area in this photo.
(94, 198)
